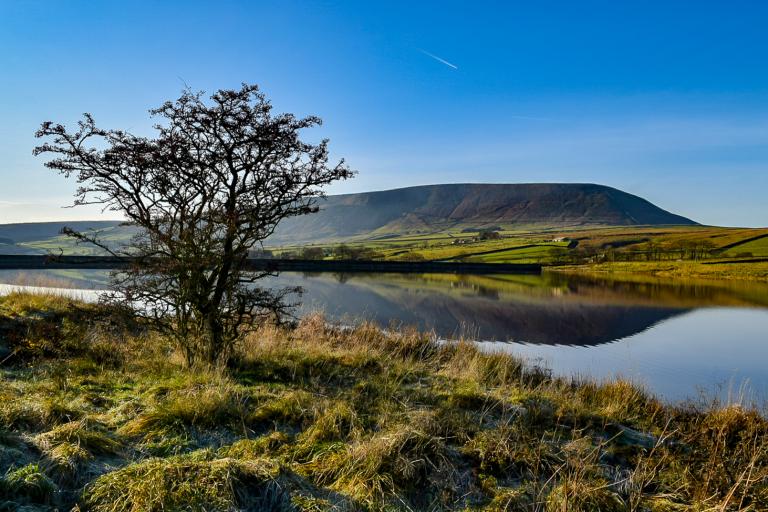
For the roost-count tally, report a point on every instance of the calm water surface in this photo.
(676, 338)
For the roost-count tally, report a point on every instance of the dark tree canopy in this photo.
(213, 184)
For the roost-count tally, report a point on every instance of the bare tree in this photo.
(213, 184)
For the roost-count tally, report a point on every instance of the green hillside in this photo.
(46, 237)
(756, 248)
(437, 208)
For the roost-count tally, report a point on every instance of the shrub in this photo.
(292, 407)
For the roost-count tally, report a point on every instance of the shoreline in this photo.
(722, 271)
(40, 262)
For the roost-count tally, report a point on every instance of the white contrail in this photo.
(438, 59)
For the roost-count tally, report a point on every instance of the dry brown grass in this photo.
(327, 418)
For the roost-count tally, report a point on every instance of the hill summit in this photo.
(422, 209)
(430, 207)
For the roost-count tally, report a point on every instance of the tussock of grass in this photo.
(194, 482)
(84, 434)
(291, 407)
(14, 412)
(618, 400)
(494, 369)
(67, 459)
(320, 418)
(403, 461)
(337, 422)
(69, 448)
(35, 304)
(215, 404)
(35, 412)
(29, 484)
(268, 444)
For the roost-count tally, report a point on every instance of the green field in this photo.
(112, 237)
(719, 269)
(756, 248)
(547, 245)
(635, 247)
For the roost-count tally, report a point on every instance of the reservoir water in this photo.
(679, 339)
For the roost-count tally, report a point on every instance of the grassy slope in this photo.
(514, 247)
(535, 245)
(757, 271)
(315, 418)
(592, 237)
(757, 248)
(437, 243)
(112, 236)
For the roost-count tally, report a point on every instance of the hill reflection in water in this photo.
(552, 309)
(675, 337)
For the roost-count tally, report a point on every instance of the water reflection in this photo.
(552, 309)
(673, 336)
(455, 308)
(677, 338)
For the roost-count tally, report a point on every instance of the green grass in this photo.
(316, 418)
(535, 254)
(755, 271)
(439, 244)
(756, 248)
(68, 245)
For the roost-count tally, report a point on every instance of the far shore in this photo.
(742, 271)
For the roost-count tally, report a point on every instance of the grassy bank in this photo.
(98, 414)
(754, 271)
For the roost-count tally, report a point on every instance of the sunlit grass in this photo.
(322, 418)
(756, 248)
(754, 271)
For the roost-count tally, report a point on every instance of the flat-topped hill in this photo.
(477, 205)
(428, 208)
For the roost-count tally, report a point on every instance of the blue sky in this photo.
(667, 100)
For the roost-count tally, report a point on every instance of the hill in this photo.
(404, 211)
(31, 231)
(439, 207)
(44, 237)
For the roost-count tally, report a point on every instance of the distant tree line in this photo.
(339, 252)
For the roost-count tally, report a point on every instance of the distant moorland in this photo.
(572, 226)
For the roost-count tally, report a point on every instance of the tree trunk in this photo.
(214, 341)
